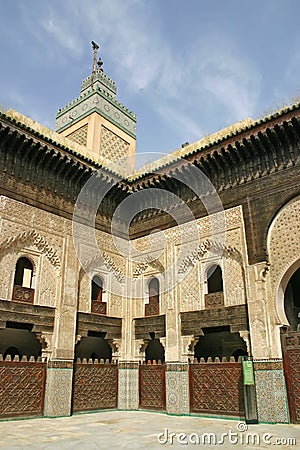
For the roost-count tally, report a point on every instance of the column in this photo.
(58, 391)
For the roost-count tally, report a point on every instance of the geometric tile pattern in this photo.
(152, 387)
(271, 396)
(58, 393)
(217, 388)
(112, 146)
(177, 388)
(80, 135)
(95, 387)
(22, 386)
(128, 389)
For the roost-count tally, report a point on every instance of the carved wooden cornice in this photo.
(55, 174)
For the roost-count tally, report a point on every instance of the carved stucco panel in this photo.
(33, 217)
(189, 291)
(84, 304)
(7, 269)
(284, 242)
(234, 220)
(116, 305)
(233, 282)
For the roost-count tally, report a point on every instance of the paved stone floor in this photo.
(142, 430)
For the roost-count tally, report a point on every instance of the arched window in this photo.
(292, 300)
(98, 306)
(152, 308)
(23, 273)
(214, 279)
(23, 291)
(154, 290)
(97, 289)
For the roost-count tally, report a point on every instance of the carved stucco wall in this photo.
(192, 288)
(190, 298)
(267, 282)
(112, 146)
(80, 135)
(187, 293)
(110, 266)
(284, 242)
(284, 253)
(84, 301)
(44, 234)
(28, 231)
(113, 300)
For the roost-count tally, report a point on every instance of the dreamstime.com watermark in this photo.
(240, 436)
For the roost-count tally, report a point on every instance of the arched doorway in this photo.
(93, 346)
(17, 339)
(154, 350)
(292, 300)
(219, 342)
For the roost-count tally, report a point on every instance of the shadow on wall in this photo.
(15, 341)
(154, 350)
(93, 346)
(292, 300)
(220, 342)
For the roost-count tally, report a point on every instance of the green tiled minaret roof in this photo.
(97, 94)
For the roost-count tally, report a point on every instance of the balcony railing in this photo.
(152, 309)
(23, 294)
(98, 307)
(214, 300)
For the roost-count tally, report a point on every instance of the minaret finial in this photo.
(95, 48)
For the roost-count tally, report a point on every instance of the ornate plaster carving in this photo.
(104, 258)
(36, 239)
(188, 345)
(46, 339)
(203, 248)
(245, 335)
(140, 346)
(116, 345)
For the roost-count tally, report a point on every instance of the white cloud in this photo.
(182, 123)
(225, 76)
(134, 39)
(60, 29)
(211, 73)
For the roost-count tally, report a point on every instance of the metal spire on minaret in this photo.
(95, 63)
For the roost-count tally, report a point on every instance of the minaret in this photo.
(96, 119)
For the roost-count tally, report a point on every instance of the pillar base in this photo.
(128, 383)
(177, 388)
(271, 397)
(58, 391)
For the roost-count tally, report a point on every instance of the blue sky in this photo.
(186, 68)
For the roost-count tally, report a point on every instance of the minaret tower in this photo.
(96, 119)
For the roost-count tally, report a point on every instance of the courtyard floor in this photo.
(143, 430)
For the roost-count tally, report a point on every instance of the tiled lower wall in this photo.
(128, 385)
(271, 396)
(177, 388)
(58, 392)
